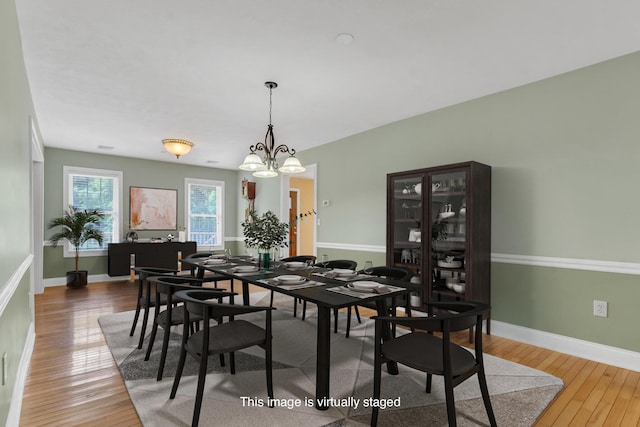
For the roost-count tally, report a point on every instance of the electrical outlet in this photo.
(600, 308)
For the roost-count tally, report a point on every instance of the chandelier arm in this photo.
(259, 146)
(283, 149)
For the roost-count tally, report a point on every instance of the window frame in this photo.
(68, 171)
(219, 209)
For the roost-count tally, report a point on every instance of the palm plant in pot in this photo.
(78, 227)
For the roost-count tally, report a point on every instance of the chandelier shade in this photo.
(177, 147)
(267, 165)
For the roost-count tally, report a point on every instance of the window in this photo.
(94, 189)
(205, 207)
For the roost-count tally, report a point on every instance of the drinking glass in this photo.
(227, 253)
(368, 267)
(324, 260)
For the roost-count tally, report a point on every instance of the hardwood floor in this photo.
(74, 381)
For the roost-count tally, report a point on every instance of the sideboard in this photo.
(163, 255)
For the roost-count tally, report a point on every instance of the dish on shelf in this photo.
(449, 264)
(445, 215)
(458, 287)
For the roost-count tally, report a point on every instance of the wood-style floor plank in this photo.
(73, 380)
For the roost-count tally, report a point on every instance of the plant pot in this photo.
(77, 279)
(265, 260)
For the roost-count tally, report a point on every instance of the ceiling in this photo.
(126, 74)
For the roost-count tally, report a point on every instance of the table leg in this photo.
(323, 358)
(245, 292)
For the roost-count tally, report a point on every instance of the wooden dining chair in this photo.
(435, 355)
(398, 273)
(165, 288)
(147, 299)
(225, 337)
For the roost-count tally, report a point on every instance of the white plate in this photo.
(295, 264)
(452, 264)
(343, 271)
(245, 268)
(214, 261)
(291, 279)
(365, 286)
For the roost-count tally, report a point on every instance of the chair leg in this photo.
(429, 380)
(145, 319)
(335, 319)
(135, 319)
(152, 338)
(268, 368)
(163, 354)
(176, 380)
(202, 375)
(271, 300)
(485, 397)
(346, 334)
(357, 313)
(377, 378)
(295, 307)
(304, 309)
(451, 404)
(232, 363)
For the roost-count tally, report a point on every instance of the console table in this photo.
(164, 255)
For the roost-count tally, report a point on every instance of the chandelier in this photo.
(267, 165)
(177, 147)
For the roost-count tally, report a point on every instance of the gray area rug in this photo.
(518, 393)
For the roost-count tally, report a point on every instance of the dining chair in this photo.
(166, 287)
(435, 355)
(398, 273)
(337, 263)
(146, 299)
(211, 277)
(298, 258)
(225, 337)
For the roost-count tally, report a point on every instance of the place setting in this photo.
(364, 289)
(291, 281)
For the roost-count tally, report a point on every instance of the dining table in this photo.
(320, 287)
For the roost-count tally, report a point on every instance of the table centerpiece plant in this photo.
(78, 227)
(267, 233)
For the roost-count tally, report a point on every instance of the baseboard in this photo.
(13, 420)
(585, 349)
(62, 281)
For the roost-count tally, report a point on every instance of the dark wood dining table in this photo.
(325, 300)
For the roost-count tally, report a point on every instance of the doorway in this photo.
(294, 208)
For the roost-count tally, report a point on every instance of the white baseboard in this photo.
(62, 281)
(585, 349)
(13, 420)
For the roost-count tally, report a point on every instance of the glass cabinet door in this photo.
(448, 235)
(406, 223)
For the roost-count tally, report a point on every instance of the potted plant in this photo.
(78, 227)
(264, 232)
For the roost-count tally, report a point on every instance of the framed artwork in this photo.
(153, 208)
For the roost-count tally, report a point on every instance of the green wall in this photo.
(136, 172)
(564, 153)
(15, 109)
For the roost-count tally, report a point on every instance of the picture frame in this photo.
(153, 208)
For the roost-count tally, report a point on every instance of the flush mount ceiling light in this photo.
(267, 165)
(177, 147)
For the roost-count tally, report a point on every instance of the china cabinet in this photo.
(439, 226)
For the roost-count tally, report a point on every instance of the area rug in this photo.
(518, 393)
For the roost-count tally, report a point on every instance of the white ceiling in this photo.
(126, 74)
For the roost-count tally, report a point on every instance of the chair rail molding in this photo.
(569, 263)
(9, 288)
(352, 247)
